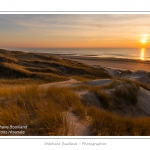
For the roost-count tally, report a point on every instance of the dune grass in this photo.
(13, 115)
(124, 90)
(16, 65)
(80, 78)
(108, 124)
(127, 93)
(40, 109)
(121, 91)
(137, 83)
(19, 82)
(98, 91)
(66, 99)
(22, 102)
(102, 96)
(82, 88)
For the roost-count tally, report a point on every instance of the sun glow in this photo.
(142, 54)
(143, 41)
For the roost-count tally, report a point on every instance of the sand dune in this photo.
(142, 108)
(144, 101)
(140, 75)
(100, 86)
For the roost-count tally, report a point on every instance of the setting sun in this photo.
(144, 41)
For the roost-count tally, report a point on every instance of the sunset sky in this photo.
(61, 31)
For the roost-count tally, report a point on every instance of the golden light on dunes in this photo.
(142, 54)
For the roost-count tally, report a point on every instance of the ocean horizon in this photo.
(126, 53)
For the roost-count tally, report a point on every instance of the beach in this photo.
(114, 63)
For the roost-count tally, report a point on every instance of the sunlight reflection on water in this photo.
(142, 54)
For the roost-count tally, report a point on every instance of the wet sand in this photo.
(115, 63)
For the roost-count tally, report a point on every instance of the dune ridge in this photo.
(58, 96)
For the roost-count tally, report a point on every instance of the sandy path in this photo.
(99, 82)
(73, 82)
(60, 84)
(76, 126)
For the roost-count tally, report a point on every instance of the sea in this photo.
(126, 53)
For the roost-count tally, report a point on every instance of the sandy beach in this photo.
(114, 63)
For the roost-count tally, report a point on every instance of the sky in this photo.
(74, 30)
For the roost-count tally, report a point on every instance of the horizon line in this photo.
(72, 47)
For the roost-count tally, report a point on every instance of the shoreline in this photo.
(110, 62)
(106, 62)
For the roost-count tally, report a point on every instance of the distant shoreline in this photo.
(123, 53)
(107, 62)
(115, 63)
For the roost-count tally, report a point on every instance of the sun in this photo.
(143, 41)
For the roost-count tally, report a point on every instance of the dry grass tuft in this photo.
(128, 93)
(102, 96)
(108, 124)
(40, 109)
(137, 83)
(66, 99)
